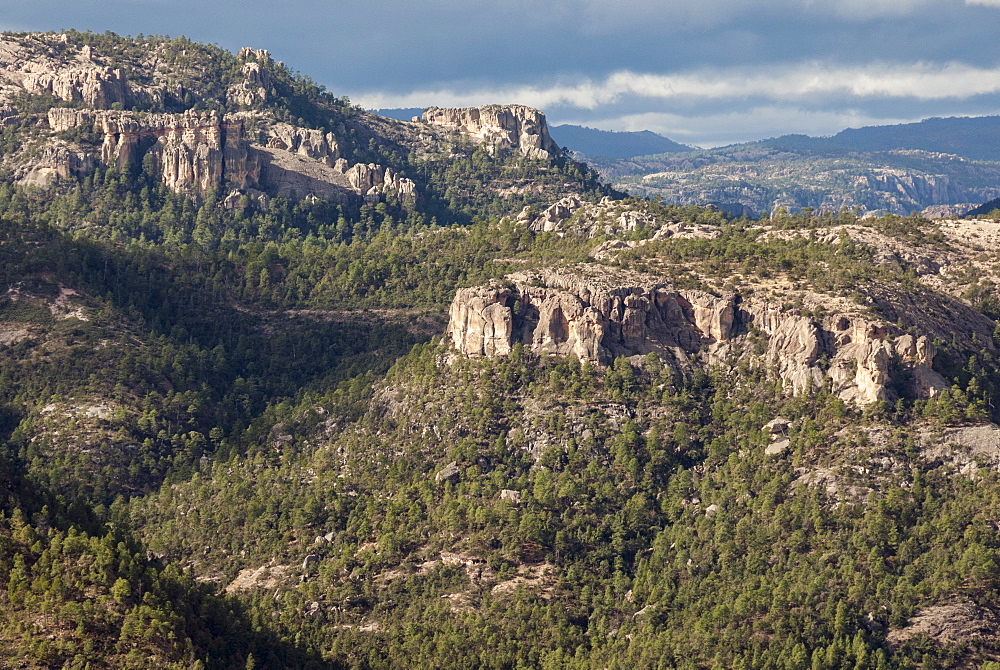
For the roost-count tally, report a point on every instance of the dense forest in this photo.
(234, 437)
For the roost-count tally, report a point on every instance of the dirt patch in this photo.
(539, 577)
(12, 333)
(63, 308)
(265, 577)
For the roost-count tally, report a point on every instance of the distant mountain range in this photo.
(975, 138)
(614, 144)
(900, 169)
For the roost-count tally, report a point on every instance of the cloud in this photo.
(603, 16)
(810, 81)
(984, 3)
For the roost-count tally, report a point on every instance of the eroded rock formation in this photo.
(256, 84)
(370, 180)
(194, 151)
(58, 161)
(499, 126)
(597, 314)
(304, 141)
(92, 85)
(197, 151)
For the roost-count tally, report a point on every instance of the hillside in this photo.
(285, 384)
(897, 169)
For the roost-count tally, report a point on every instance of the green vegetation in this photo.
(232, 439)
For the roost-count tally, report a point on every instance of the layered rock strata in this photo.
(499, 126)
(194, 151)
(596, 316)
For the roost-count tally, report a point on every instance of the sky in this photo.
(701, 72)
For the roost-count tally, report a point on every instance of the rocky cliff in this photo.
(499, 126)
(197, 151)
(597, 314)
(46, 64)
(193, 152)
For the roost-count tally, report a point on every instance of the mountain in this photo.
(898, 169)
(972, 138)
(285, 384)
(614, 144)
(985, 209)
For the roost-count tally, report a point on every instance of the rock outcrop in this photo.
(194, 151)
(597, 314)
(93, 85)
(256, 84)
(499, 126)
(197, 151)
(58, 161)
(573, 216)
(370, 180)
(304, 141)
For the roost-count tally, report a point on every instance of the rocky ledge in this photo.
(596, 314)
(499, 126)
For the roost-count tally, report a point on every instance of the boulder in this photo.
(510, 496)
(449, 473)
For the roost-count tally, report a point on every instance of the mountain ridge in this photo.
(615, 144)
(897, 169)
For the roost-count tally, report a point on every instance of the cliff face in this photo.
(505, 126)
(45, 64)
(596, 315)
(96, 86)
(304, 142)
(58, 161)
(193, 152)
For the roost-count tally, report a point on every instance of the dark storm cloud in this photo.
(707, 72)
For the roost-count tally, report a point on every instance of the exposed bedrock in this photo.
(597, 315)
